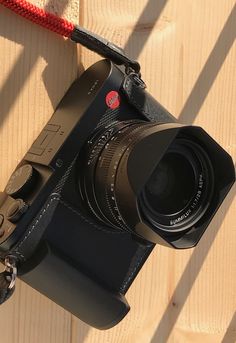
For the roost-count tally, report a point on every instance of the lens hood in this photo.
(137, 165)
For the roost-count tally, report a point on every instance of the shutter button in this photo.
(16, 210)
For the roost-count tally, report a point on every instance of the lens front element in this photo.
(140, 173)
(171, 185)
(178, 192)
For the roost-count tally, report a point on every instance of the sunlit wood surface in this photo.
(188, 54)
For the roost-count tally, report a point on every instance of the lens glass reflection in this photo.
(171, 185)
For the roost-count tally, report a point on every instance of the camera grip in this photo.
(60, 281)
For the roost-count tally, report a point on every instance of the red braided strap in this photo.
(39, 16)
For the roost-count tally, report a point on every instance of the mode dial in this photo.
(21, 181)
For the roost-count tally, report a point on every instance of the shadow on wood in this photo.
(230, 335)
(189, 114)
(28, 35)
(187, 280)
(146, 23)
(210, 70)
(79, 330)
(27, 59)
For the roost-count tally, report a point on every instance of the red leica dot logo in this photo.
(113, 100)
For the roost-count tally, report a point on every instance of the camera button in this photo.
(16, 210)
(52, 127)
(21, 181)
(36, 151)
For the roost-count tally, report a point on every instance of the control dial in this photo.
(16, 210)
(21, 181)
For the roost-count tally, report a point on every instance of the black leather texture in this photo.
(134, 90)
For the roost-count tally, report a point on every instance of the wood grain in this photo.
(188, 56)
(36, 69)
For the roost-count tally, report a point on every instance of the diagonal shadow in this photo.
(187, 280)
(10, 90)
(230, 335)
(210, 70)
(196, 95)
(188, 114)
(79, 330)
(19, 73)
(144, 27)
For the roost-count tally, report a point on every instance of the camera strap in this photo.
(104, 48)
(76, 33)
(8, 279)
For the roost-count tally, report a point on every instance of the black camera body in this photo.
(76, 212)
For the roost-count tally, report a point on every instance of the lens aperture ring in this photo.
(91, 155)
(107, 168)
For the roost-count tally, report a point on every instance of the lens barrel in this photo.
(175, 183)
(101, 157)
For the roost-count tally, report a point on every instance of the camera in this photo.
(110, 175)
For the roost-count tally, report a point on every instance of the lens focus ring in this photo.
(135, 172)
(106, 172)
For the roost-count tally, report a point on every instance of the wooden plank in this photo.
(188, 61)
(36, 69)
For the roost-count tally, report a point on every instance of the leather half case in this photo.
(82, 266)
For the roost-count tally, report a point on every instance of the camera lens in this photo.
(176, 193)
(172, 184)
(101, 157)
